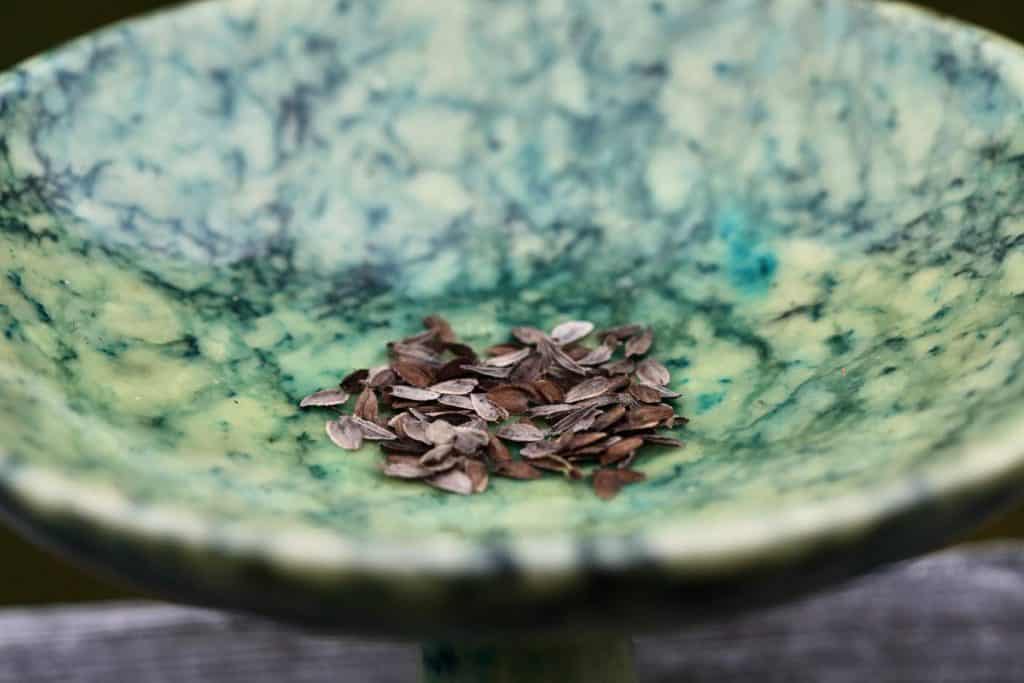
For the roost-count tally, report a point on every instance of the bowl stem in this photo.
(561, 660)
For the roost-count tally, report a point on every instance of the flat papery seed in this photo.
(477, 472)
(549, 391)
(623, 448)
(407, 446)
(414, 393)
(528, 335)
(461, 351)
(440, 432)
(571, 331)
(489, 371)
(667, 393)
(659, 440)
(463, 402)
(584, 439)
(640, 344)
(554, 463)
(601, 354)
(586, 421)
(497, 451)
(453, 481)
(501, 350)
(650, 371)
(453, 369)
(606, 484)
(625, 366)
(381, 376)
(436, 454)
(530, 369)
(366, 405)
(325, 398)
(552, 409)
(515, 401)
(556, 355)
(517, 469)
(522, 433)
(610, 417)
(538, 449)
(469, 440)
(441, 327)
(406, 470)
(416, 374)
(415, 353)
(644, 393)
(455, 387)
(627, 476)
(345, 433)
(353, 381)
(373, 431)
(648, 413)
(416, 430)
(587, 389)
(487, 410)
(622, 331)
(508, 359)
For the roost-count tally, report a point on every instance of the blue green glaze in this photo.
(208, 214)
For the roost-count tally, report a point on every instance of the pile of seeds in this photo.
(563, 404)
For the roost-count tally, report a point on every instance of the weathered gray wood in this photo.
(958, 616)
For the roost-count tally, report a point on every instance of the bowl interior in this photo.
(208, 215)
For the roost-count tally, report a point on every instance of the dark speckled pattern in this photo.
(206, 215)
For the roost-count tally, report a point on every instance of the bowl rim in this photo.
(687, 550)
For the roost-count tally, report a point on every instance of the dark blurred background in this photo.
(29, 576)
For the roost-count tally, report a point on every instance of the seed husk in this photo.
(620, 450)
(522, 433)
(528, 335)
(510, 398)
(529, 369)
(455, 387)
(439, 432)
(477, 472)
(470, 439)
(441, 328)
(650, 371)
(325, 398)
(587, 389)
(622, 331)
(508, 359)
(596, 357)
(487, 410)
(366, 405)
(497, 451)
(353, 381)
(461, 402)
(437, 454)
(660, 440)
(489, 371)
(453, 481)
(644, 393)
(517, 469)
(416, 374)
(380, 377)
(406, 468)
(373, 431)
(609, 417)
(571, 331)
(414, 393)
(620, 367)
(345, 433)
(549, 391)
(640, 344)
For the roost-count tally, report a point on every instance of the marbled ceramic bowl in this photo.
(207, 214)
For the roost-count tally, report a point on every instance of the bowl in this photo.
(209, 213)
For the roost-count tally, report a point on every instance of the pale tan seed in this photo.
(325, 398)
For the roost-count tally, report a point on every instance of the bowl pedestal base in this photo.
(561, 660)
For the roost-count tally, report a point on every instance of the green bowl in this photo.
(207, 214)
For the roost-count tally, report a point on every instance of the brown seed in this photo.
(622, 331)
(576, 351)
(382, 376)
(453, 369)
(489, 371)
(441, 328)
(529, 369)
(461, 351)
(523, 433)
(477, 472)
(437, 454)
(517, 469)
(511, 399)
(640, 344)
(620, 367)
(659, 440)
(439, 432)
(649, 413)
(415, 353)
(487, 410)
(554, 354)
(366, 405)
(584, 439)
(404, 446)
(416, 374)
(550, 391)
(497, 450)
(572, 331)
(610, 417)
(621, 449)
(607, 484)
(644, 393)
(501, 349)
(462, 402)
(325, 398)
(455, 387)
(627, 476)
(373, 431)
(528, 335)
(414, 394)
(345, 433)
(650, 371)
(599, 355)
(405, 468)
(539, 449)
(587, 389)
(552, 410)
(508, 359)
(353, 381)
(453, 481)
(470, 439)
(554, 463)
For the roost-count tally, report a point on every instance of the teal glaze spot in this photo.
(840, 344)
(750, 264)
(708, 401)
(318, 471)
